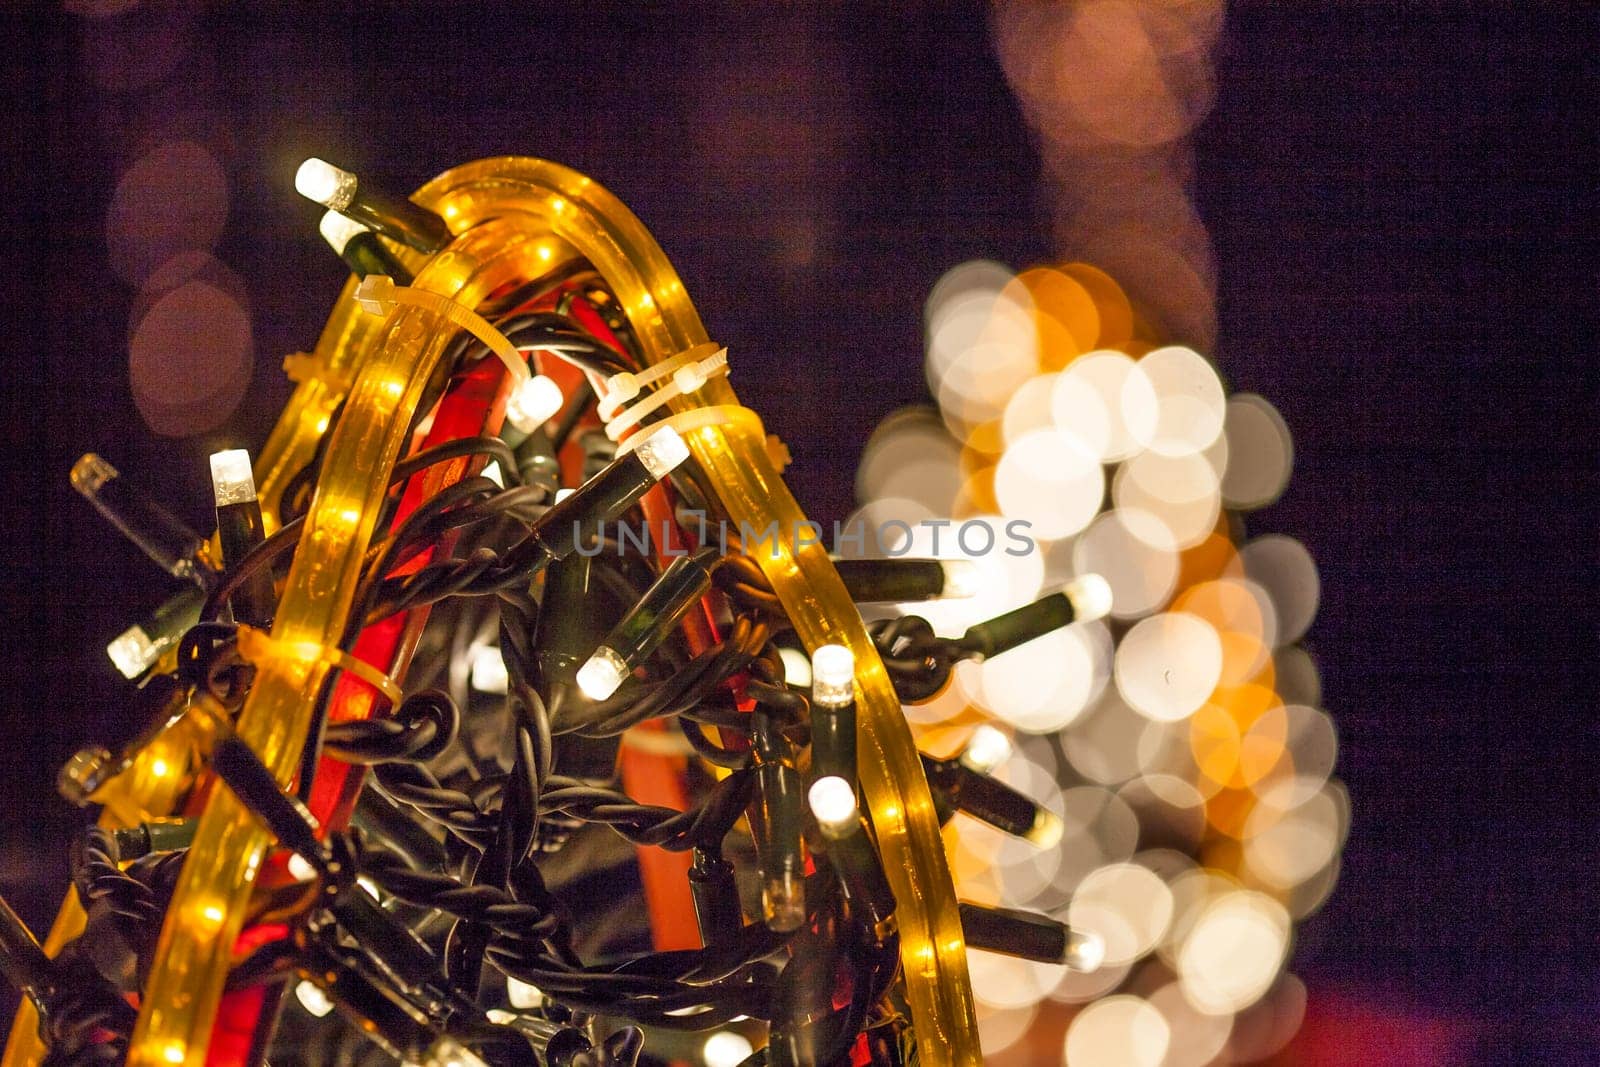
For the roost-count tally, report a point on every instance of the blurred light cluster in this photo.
(1179, 739)
(1113, 89)
(191, 345)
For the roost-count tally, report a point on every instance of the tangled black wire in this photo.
(485, 903)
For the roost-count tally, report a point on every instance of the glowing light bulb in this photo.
(726, 1049)
(489, 673)
(1046, 830)
(132, 652)
(299, 869)
(962, 578)
(232, 480)
(796, 667)
(1086, 951)
(1091, 597)
(338, 230)
(523, 995)
(313, 999)
(833, 802)
(986, 749)
(322, 182)
(533, 403)
(602, 675)
(662, 452)
(833, 673)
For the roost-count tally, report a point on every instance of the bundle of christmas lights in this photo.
(470, 740)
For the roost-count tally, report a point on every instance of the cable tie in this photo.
(257, 646)
(379, 295)
(623, 387)
(688, 377)
(685, 422)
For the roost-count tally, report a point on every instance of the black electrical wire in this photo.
(577, 404)
(493, 447)
(287, 537)
(573, 271)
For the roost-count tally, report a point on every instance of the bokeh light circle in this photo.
(173, 199)
(1182, 491)
(1284, 567)
(1100, 401)
(1129, 906)
(1049, 480)
(1262, 453)
(911, 456)
(1168, 664)
(190, 360)
(1124, 1030)
(1190, 403)
(1136, 554)
(1197, 1038)
(1231, 955)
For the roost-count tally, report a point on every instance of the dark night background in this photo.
(1401, 198)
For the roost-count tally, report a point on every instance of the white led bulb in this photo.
(833, 675)
(726, 1049)
(533, 403)
(338, 230)
(1091, 597)
(602, 675)
(300, 868)
(662, 452)
(1046, 830)
(962, 578)
(133, 652)
(833, 802)
(986, 749)
(322, 182)
(522, 995)
(796, 667)
(313, 999)
(488, 670)
(232, 480)
(1086, 951)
